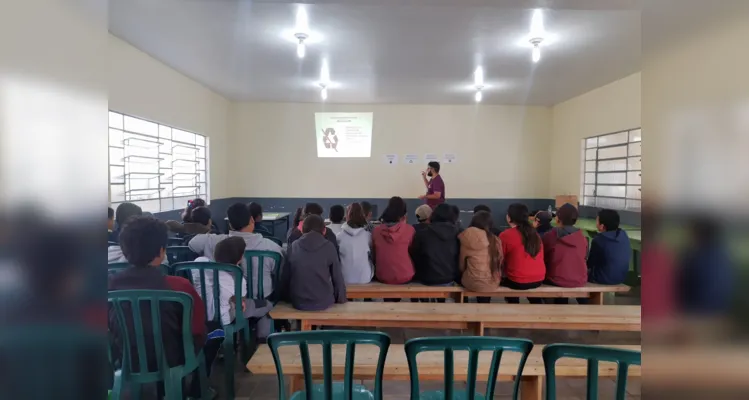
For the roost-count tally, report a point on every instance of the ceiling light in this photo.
(301, 32)
(324, 93)
(537, 23)
(478, 77)
(324, 73)
(478, 97)
(536, 55)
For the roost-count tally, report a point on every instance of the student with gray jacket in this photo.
(312, 279)
(355, 246)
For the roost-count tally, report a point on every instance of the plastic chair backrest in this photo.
(327, 339)
(113, 268)
(274, 240)
(252, 271)
(121, 303)
(30, 351)
(212, 269)
(594, 354)
(474, 345)
(177, 254)
(175, 241)
(112, 244)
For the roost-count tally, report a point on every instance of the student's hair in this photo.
(609, 219)
(482, 207)
(483, 221)
(395, 210)
(201, 215)
(567, 214)
(336, 214)
(456, 213)
(125, 211)
(256, 211)
(544, 218)
(518, 214)
(197, 202)
(366, 208)
(142, 239)
(356, 217)
(312, 209)
(110, 214)
(239, 216)
(442, 213)
(313, 222)
(435, 166)
(297, 217)
(230, 250)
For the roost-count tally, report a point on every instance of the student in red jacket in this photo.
(523, 266)
(565, 251)
(390, 241)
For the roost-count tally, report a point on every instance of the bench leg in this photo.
(296, 383)
(458, 297)
(306, 326)
(530, 387)
(597, 298)
(478, 329)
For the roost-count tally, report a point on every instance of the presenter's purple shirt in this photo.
(436, 184)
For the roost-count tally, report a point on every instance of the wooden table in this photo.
(430, 365)
(376, 290)
(475, 317)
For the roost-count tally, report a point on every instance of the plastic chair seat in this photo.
(360, 392)
(440, 395)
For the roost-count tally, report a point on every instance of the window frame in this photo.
(163, 182)
(593, 200)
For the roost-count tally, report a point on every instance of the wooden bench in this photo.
(475, 317)
(431, 366)
(375, 290)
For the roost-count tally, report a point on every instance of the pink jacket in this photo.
(393, 263)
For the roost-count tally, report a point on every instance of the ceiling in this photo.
(388, 51)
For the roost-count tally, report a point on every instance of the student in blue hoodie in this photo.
(610, 251)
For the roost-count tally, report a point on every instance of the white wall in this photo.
(141, 86)
(610, 108)
(502, 151)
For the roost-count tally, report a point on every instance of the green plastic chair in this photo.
(594, 354)
(260, 256)
(328, 389)
(474, 345)
(113, 268)
(121, 304)
(177, 254)
(239, 326)
(175, 241)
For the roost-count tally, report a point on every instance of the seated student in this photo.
(423, 213)
(311, 209)
(355, 246)
(242, 225)
(125, 211)
(295, 221)
(523, 252)
(231, 251)
(435, 249)
(542, 222)
(565, 250)
(480, 256)
(183, 227)
(110, 225)
(312, 279)
(482, 207)
(390, 242)
(456, 217)
(198, 220)
(336, 215)
(367, 210)
(144, 240)
(610, 251)
(256, 212)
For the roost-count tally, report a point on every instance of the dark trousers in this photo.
(580, 300)
(483, 300)
(521, 286)
(210, 351)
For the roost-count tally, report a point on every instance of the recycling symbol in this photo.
(329, 139)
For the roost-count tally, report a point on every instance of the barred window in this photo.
(612, 172)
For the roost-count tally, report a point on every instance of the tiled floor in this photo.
(265, 387)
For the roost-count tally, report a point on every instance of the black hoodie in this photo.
(435, 251)
(312, 279)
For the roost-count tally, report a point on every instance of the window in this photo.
(612, 170)
(155, 166)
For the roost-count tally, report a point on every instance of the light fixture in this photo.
(324, 92)
(478, 83)
(302, 27)
(324, 79)
(536, 54)
(478, 97)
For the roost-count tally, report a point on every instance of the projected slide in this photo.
(343, 134)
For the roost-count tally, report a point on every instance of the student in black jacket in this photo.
(435, 249)
(311, 209)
